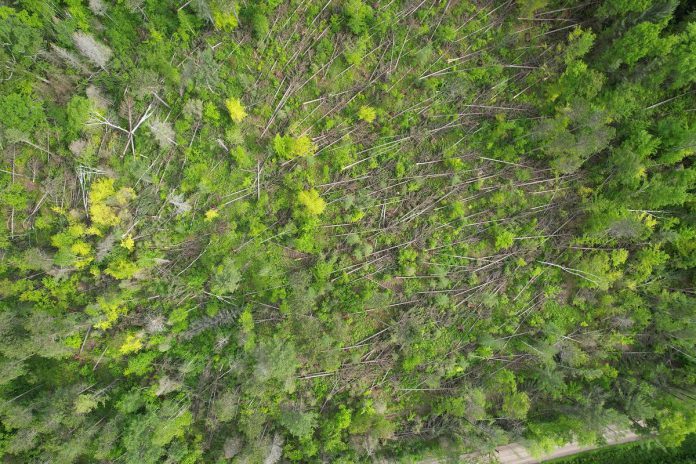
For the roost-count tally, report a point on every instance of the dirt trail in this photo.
(515, 453)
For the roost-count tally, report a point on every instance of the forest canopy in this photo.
(344, 231)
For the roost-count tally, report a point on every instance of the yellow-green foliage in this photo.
(290, 147)
(132, 344)
(313, 203)
(106, 311)
(103, 215)
(246, 323)
(303, 146)
(224, 15)
(73, 251)
(101, 190)
(236, 109)
(104, 200)
(85, 403)
(128, 243)
(81, 248)
(121, 269)
(367, 113)
(211, 214)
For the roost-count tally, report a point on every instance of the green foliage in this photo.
(622, 7)
(332, 429)
(275, 360)
(504, 240)
(20, 112)
(20, 33)
(425, 229)
(358, 15)
(85, 403)
(638, 42)
(516, 405)
(299, 424)
(529, 7)
(226, 277)
(675, 426)
(78, 111)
